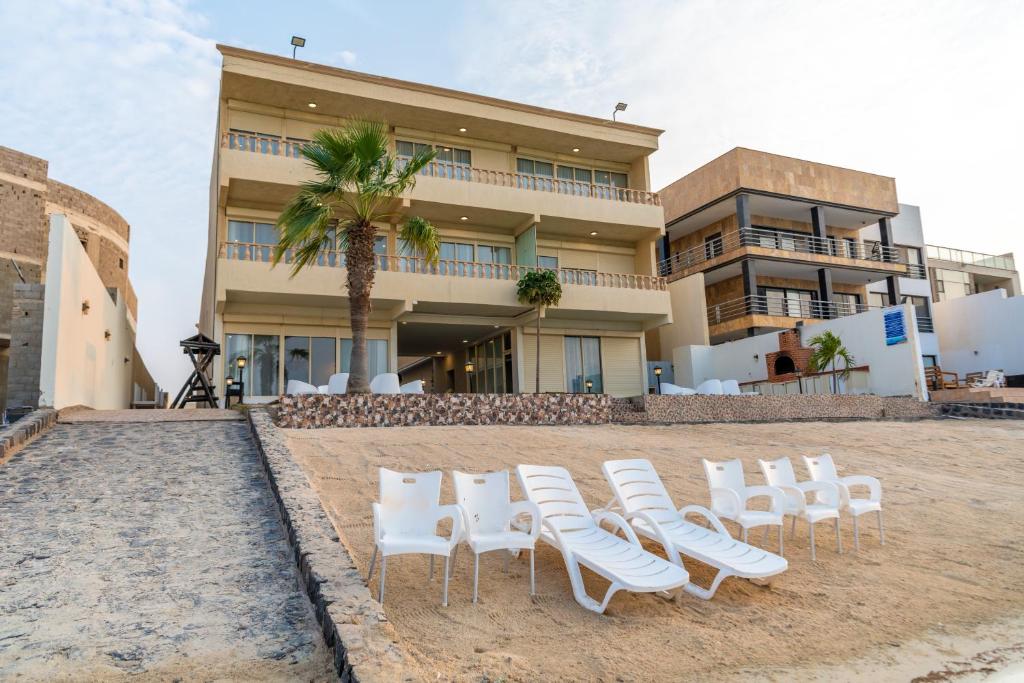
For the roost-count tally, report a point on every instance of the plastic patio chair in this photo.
(413, 387)
(385, 383)
(337, 383)
(779, 473)
(992, 379)
(731, 387)
(821, 468)
(669, 389)
(486, 503)
(644, 502)
(576, 532)
(295, 386)
(730, 495)
(711, 387)
(405, 522)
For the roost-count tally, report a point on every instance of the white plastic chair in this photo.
(413, 387)
(405, 522)
(821, 468)
(323, 389)
(992, 379)
(730, 495)
(730, 387)
(385, 383)
(779, 473)
(486, 503)
(576, 532)
(711, 387)
(295, 386)
(645, 504)
(337, 383)
(669, 389)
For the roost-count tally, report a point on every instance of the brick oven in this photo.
(790, 360)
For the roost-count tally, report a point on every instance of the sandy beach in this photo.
(944, 589)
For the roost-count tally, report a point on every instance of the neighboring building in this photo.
(982, 332)
(914, 287)
(758, 242)
(514, 187)
(955, 273)
(27, 198)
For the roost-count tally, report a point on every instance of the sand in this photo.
(945, 586)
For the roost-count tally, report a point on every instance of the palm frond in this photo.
(418, 235)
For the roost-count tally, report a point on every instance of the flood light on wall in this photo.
(85, 306)
(297, 42)
(107, 335)
(621, 106)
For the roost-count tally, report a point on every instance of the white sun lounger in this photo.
(645, 503)
(574, 530)
(669, 389)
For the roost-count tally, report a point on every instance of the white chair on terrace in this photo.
(730, 496)
(486, 503)
(337, 383)
(405, 522)
(779, 473)
(821, 468)
(712, 387)
(413, 387)
(730, 387)
(323, 389)
(645, 503)
(992, 379)
(385, 383)
(669, 389)
(576, 532)
(295, 386)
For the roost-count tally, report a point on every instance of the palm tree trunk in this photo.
(536, 387)
(835, 381)
(359, 263)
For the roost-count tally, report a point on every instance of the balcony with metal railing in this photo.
(795, 243)
(971, 258)
(799, 309)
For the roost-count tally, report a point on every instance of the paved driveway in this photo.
(148, 548)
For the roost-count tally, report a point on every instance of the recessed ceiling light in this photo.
(495, 327)
(439, 353)
(311, 105)
(447, 149)
(465, 341)
(405, 322)
(462, 130)
(463, 218)
(593, 233)
(575, 149)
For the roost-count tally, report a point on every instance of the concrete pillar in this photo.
(818, 223)
(743, 211)
(664, 251)
(754, 305)
(892, 286)
(825, 292)
(885, 236)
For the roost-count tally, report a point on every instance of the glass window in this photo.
(262, 352)
(713, 246)
(929, 361)
(323, 361)
(794, 303)
(846, 304)
(380, 248)
(240, 231)
(583, 364)
(548, 262)
(296, 359)
(237, 345)
(878, 299)
(376, 353)
(266, 233)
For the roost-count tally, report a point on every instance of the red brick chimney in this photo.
(790, 360)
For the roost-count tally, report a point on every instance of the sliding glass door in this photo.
(583, 365)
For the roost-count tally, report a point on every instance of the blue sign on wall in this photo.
(895, 327)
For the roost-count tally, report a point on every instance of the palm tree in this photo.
(539, 288)
(357, 181)
(828, 351)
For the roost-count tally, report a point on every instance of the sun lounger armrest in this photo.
(456, 514)
(615, 518)
(526, 507)
(670, 549)
(874, 486)
(728, 497)
(831, 496)
(773, 492)
(707, 514)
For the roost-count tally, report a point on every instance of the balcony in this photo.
(917, 271)
(798, 309)
(971, 258)
(759, 242)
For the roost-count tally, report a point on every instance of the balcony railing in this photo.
(262, 253)
(273, 146)
(971, 258)
(790, 308)
(917, 271)
(924, 324)
(769, 239)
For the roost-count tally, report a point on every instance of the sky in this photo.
(120, 96)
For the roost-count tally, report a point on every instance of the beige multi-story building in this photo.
(514, 187)
(756, 242)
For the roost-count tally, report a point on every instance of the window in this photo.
(952, 284)
(614, 181)
(492, 365)
(245, 240)
(454, 258)
(583, 364)
(260, 372)
(501, 257)
(929, 361)
(449, 162)
(878, 299)
(794, 303)
(713, 246)
(376, 352)
(535, 175)
(547, 262)
(846, 304)
(309, 359)
(575, 181)
(120, 262)
(250, 141)
(578, 276)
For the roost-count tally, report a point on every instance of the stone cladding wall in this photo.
(668, 409)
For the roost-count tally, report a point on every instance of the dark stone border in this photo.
(353, 623)
(14, 437)
(990, 411)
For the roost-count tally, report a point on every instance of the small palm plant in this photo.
(357, 182)
(829, 352)
(539, 288)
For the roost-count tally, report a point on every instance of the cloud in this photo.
(345, 57)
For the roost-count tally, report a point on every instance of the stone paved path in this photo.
(153, 549)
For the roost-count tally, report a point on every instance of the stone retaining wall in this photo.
(16, 435)
(410, 410)
(669, 409)
(354, 624)
(997, 411)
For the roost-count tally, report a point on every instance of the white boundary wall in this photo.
(894, 370)
(79, 365)
(981, 332)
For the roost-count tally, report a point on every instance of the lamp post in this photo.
(589, 384)
(228, 382)
(657, 373)
(240, 362)
(469, 367)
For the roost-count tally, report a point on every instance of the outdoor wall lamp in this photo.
(229, 381)
(240, 362)
(657, 373)
(589, 384)
(469, 367)
(85, 306)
